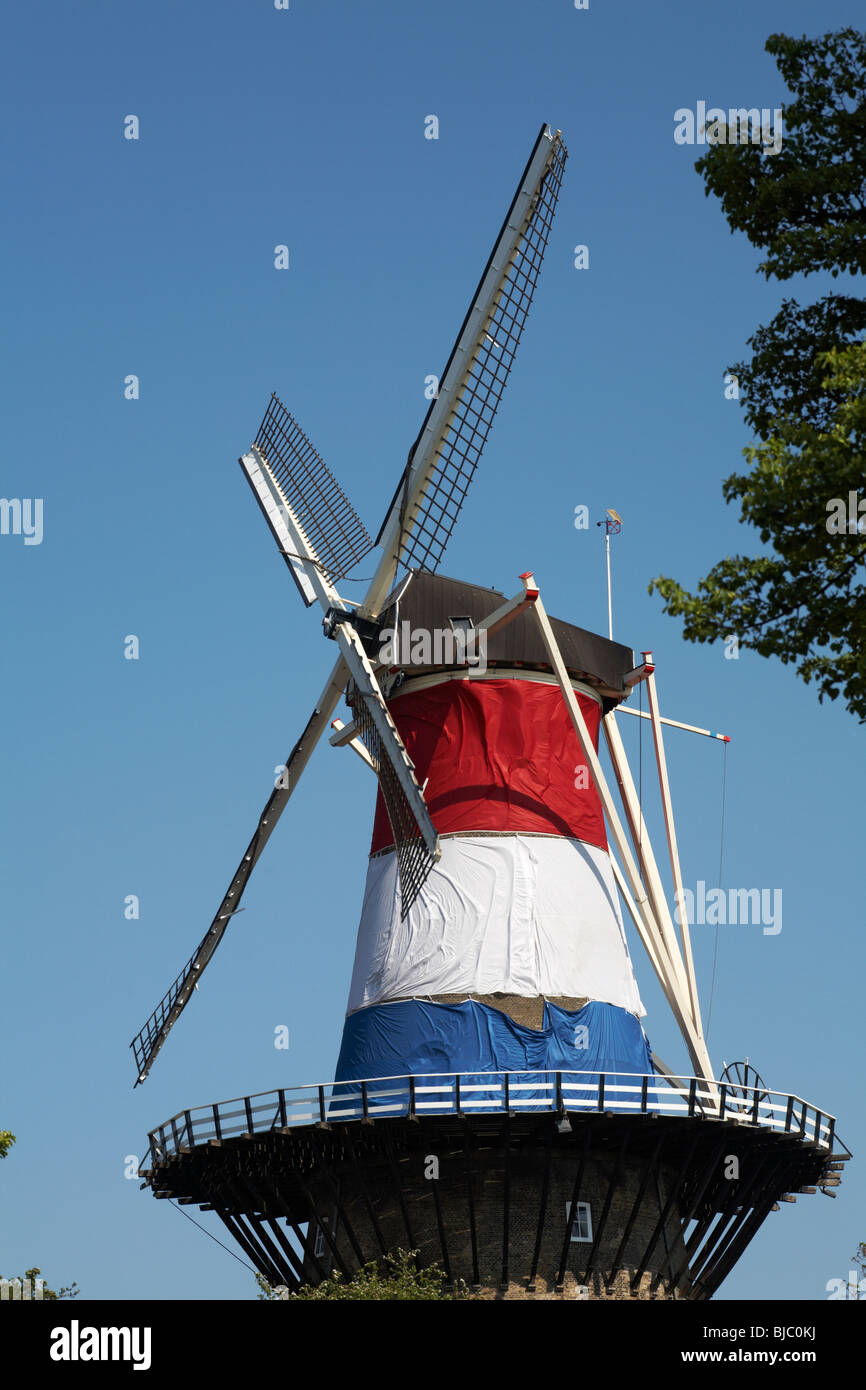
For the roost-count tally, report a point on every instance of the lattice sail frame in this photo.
(146, 1043)
(414, 859)
(416, 842)
(426, 526)
(316, 498)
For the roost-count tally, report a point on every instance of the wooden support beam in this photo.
(506, 1194)
(649, 1168)
(673, 851)
(542, 1209)
(290, 1253)
(233, 1223)
(473, 1233)
(398, 1187)
(362, 1183)
(711, 1169)
(672, 975)
(443, 1241)
(286, 1271)
(673, 1195)
(740, 1198)
(642, 845)
(346, 735)
(572, 1212)
(647, 941)
(323, 1168)
(601, 1224)
(323, 1225)
(726, 1254)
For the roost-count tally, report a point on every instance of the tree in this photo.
(805, 205)
(7, 1139)
(394, 1277)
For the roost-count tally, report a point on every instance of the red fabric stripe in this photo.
(499, 755)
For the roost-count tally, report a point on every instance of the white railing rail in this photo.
(619, 1093)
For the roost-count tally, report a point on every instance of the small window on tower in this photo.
(582, 1228)
(461, 624)
(319, 1247)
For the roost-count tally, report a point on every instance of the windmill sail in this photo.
(322, 539)
(148, 1042)
(301, 478)
(416, 842)
(443, 459)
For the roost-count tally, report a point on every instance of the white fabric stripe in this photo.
(519, 914)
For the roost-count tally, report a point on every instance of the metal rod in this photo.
(609, 598)
(673, 723)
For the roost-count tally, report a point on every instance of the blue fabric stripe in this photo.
(418, 1038)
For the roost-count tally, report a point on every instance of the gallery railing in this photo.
(489, 1093)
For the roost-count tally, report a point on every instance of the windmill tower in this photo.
(496, 1106)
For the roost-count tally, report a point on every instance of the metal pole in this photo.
(609, 598)
(674, 723)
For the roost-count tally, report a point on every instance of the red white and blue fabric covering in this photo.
(498, 755)
(522, 901)
(415, 1038)
(516, 914)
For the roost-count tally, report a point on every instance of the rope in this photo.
(212, 1236)
(721, 855)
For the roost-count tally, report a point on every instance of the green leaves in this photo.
(805, 204)
(804, 390)
(785, 375)
(394, 1277)
(806, 604)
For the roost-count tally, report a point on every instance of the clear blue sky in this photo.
(155, 257)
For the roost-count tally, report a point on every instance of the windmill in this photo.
(493, 1021)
